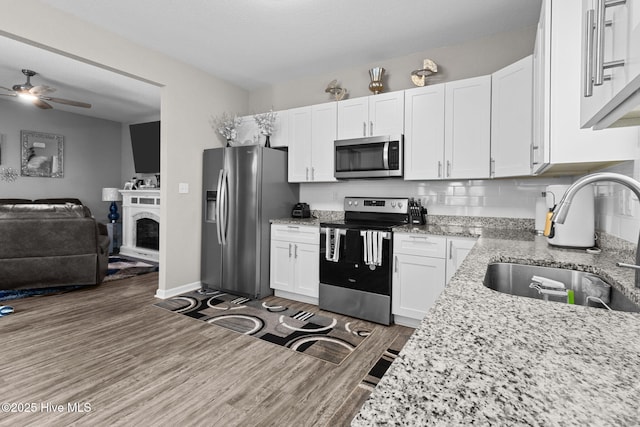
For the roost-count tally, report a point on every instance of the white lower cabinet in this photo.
(457, 250)
(295, 251)
(422, 265)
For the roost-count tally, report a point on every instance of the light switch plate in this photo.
(183, 188)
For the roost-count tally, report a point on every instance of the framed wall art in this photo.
(42, 154)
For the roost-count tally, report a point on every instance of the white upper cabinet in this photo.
(381, 114)
(299, 159)
(610, 54)
(560, 145)
(323, 125)
(424, 132)
(511, 119)
(448, 130)
(312, 132)
(467, 128)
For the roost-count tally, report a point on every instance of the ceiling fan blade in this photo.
(8, 94)
(6, 88)
(41, 104)
(41, 90)
(66, 101)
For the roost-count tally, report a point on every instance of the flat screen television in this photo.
(145, 143)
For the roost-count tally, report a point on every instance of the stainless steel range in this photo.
(356, 258)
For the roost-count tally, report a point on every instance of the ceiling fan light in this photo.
(27, 96)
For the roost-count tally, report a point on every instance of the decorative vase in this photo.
(267, 141)
(375, 74)
(113, 212)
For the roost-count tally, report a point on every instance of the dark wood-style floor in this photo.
(109, 352)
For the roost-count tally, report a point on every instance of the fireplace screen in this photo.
(147, 234)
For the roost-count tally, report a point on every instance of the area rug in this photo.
(312, 334)
(121, 267)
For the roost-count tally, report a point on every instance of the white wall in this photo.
(185, 130)
(476, 58)
(91, 157)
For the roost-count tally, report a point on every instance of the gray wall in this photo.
(91, 155)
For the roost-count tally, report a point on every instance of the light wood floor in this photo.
(136, 364)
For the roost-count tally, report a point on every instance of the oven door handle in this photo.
(395, 264)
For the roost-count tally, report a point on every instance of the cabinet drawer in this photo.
(420, 244)
(295, 233)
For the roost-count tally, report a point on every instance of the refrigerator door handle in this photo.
(225, 208)
(219, 206)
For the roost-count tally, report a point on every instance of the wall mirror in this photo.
(42, 154)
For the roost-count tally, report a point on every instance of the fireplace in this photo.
(141, 223)
(147, 233)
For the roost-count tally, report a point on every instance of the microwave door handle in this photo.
(385, 156)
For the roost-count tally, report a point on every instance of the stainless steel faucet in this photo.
(562, 209)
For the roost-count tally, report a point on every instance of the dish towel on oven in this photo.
(372, 243)
(332, 244)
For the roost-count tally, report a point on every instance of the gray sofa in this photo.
(50, 242)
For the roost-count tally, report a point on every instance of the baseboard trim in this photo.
(407, 321)
(170, 293)
(295, 297)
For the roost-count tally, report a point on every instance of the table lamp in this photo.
(112, 195)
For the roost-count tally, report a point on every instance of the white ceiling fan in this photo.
(38, 94)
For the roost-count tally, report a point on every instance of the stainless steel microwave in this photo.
(371, 157)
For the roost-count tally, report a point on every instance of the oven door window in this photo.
(351, 271)
(362, 157)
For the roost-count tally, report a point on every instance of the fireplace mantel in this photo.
(136, 205)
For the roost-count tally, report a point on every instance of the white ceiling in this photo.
(254, 43)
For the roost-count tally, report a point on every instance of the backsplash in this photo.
(512, 198)
(617, 208)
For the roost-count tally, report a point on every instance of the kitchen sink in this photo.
(588, 288)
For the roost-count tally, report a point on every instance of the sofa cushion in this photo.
(43, 211)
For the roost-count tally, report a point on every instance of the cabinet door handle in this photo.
(307, 174)
(448, 168)
(600, 23)
(370, 128)
(295, 251)
(364, 128)
(313, 174)
(492, 168)
(439, 169)
(395, 264)
(450, 249)
(289, 250)
(587, 64)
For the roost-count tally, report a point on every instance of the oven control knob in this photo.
(355, 203)
(393, 204)
(350, 203)
(400, 205)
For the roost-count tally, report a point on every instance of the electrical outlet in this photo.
(183, 188)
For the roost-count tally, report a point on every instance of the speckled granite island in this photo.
(486, 358)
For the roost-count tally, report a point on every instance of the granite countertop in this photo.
(487, 358)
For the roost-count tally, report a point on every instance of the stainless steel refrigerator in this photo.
(243, 188)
